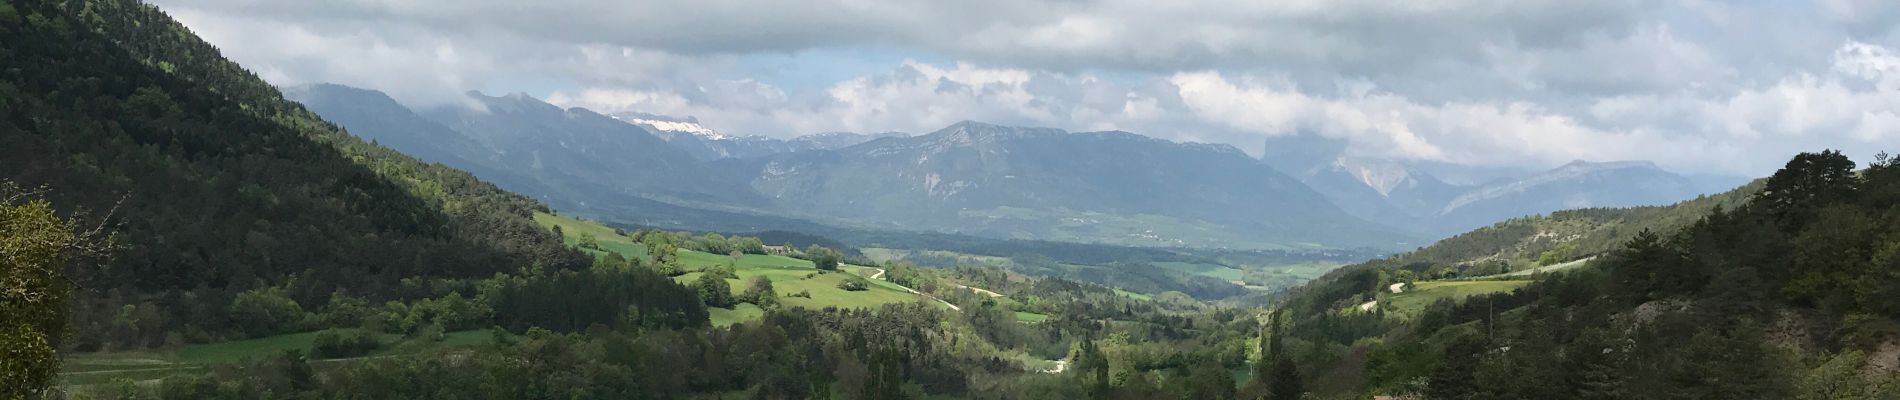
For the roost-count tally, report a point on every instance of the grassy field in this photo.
(1222, 272)
(883, 255)
(823, 287)
(1030, 317)
(789, 275)
(741, 313)
(97, 368)
(1553, 268)
(572, 230)
(234, 351)
(1414, 300)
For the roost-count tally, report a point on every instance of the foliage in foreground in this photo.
(1783, 297)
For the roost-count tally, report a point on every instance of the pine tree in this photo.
(1286, 381)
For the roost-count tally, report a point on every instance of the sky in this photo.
(1700, 86)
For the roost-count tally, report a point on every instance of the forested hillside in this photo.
(1524, 242)
(231, 201)
(1789, 295)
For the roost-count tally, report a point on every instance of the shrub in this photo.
(761, 293)
(852, 285)
(726, 271)
(266, 311)
(333, 344)
(714, 291)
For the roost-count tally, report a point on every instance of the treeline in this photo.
(899, 351)
(894, 352)
(1787, 296)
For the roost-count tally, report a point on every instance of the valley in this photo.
(631, 206)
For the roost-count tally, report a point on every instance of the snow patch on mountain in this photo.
(669, 124)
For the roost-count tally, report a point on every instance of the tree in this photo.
(266, 311)
(1092, 365)
(1286, 381)
(1647, 265)
(759, 292)
(1841, 378)
(713, 243)
(751, 245)
(1806, 183)
(35, 246)
(714, 291)
(1453, 377)
(824, 258)
(665, 253)
(1831, 257)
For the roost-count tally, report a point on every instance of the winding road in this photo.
(880, 274)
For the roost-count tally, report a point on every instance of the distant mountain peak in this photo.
(974, 131)
(1606, 165)
(1650, 185)
(1381, 175)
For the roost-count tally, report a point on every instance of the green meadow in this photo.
(1422, 294)
(788, 275)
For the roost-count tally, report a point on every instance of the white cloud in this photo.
(1693, 84)
(1746, 130)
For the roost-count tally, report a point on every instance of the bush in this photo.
(823, 258)
(333, 344)
(725, 271)
(714, 291)
(761, 293)
(266, 311)
(431, 332)
(852, 285)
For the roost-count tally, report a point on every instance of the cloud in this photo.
(1316, 40)
(1748, 130)
(913, 96)
(1696, 85)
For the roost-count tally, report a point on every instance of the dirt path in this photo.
(978, 290)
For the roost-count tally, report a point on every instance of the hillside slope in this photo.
(594, 156)
(221, 186)
(1788, 294)
(1579, 184)
(1408, 194)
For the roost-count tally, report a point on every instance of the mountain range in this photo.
(706, 144)
(1409, 195)
(1117, 187)
(1304, 191)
